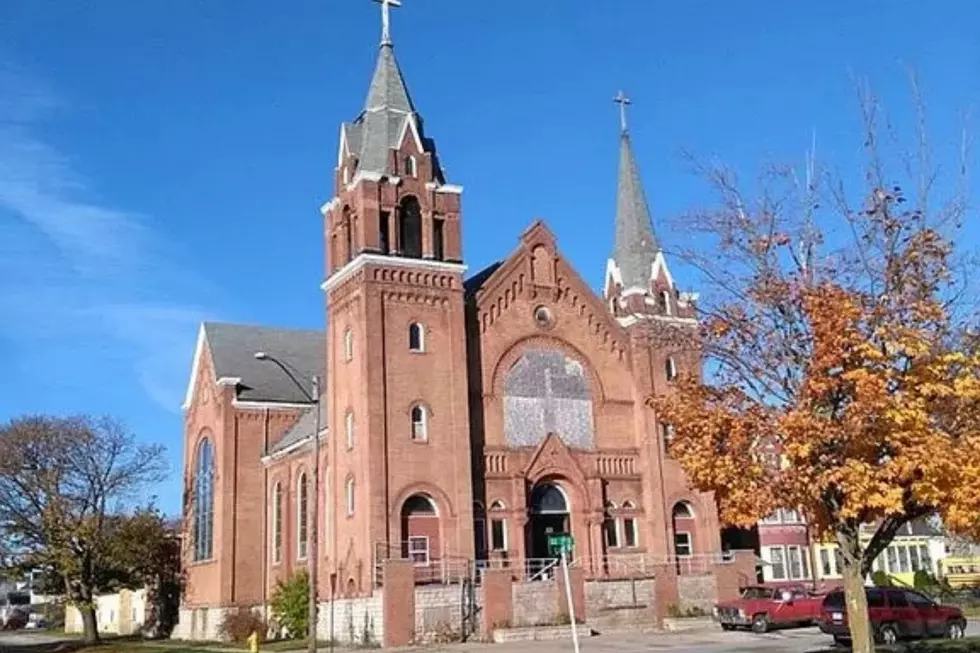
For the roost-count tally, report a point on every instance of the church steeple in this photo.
(638, 283)
(636, 246)
(390, 194)
(367, 143)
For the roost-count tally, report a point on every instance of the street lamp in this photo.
(313, 395)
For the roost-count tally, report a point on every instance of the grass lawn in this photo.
(126, 645)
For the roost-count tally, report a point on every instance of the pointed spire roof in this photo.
(636, 244)
(388, 90)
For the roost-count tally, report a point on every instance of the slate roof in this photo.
(636, 244)
(233, 348)
(303, 428)
(388, 106)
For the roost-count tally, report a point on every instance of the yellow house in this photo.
(917, 545)
(122, 613)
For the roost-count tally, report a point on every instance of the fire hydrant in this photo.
(253, 642)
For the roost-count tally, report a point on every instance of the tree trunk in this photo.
(854, 594)
(89, 623)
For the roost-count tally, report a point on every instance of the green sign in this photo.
(560, 543)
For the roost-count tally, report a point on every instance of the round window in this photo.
(543, 317)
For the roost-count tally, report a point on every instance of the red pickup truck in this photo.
(764, 608)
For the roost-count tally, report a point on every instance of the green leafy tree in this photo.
(67, 489)
(290, 604)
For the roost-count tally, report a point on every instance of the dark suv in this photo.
(895, 614)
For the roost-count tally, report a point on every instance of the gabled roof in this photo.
(233, 348)
(636, 244)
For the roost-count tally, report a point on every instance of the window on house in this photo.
(826, 571)
(612, 536)
(771, 519)
(302, 518)
(667, 431)
(838, 562)
(791, 517)
(925, 558)
(665, 302)
(349, 428)
(277, 523)
(346, 175)
(420, 426)
(682, 545)
(671, 368)
(411, 167)
(629, 531)
(438, 236)
(891, 556)
(350, 497)
(799, 568)
(348, 344)
(777, 562)
(903, 559)
(914, 561)
(498, 534)
(418, 549)
(416, 337)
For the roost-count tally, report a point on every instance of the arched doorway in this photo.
(549, 515)
(420, 530)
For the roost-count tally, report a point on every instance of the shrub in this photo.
(290, 604)
(881, 579)
(239, 624)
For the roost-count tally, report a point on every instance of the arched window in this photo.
(302, 517)
(670, 368)
(410, 227)
(548, 499)
(667, 432)
(683, 521)
(665, 302)
(411, 167)
(629, 505)
(348, 344)
(348, 227)
(346, 176)
(498, 505)
(416, 337)
(349, 428)
(682, 510)
(277, 523)
(420, 424)
(349, 492)
(204, 501)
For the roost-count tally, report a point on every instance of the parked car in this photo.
(895, 614)
(764, 608)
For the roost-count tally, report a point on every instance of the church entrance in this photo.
(549, 515)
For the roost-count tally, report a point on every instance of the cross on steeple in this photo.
(622, 101)
(386, 19)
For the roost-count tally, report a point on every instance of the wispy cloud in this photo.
(77, 273)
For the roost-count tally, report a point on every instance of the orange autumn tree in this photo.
(842, 375)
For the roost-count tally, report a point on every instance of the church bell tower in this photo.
(398, 481)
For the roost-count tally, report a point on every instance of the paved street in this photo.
(800, 640)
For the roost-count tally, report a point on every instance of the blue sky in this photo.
(162, 161)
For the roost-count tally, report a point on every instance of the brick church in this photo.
(465, 417)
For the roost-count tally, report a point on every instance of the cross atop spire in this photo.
(622, 101)
(386, 19)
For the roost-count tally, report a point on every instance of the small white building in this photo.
(122, 613)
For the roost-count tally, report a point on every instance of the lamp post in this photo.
(313, 395)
